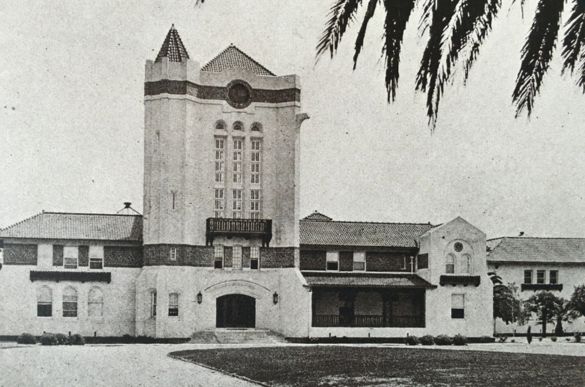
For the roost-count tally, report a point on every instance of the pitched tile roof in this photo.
(59, 225)
(331, 233)
(406, 280)
(172, 47)
(317, 216)
(543, 250)
(233, 58)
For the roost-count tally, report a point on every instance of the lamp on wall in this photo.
(275, 298)
(199, 298)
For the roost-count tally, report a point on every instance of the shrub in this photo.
(553, 339)
(443, 340)
(412, 340)
(26, 338)
(61, 339)
(577, 337)
(427, 340)
(512, 341)
(49, 339)
(485, 339)
(76, 339)
(502, 339)
(459, 340)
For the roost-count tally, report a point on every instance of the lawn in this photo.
(390, 366)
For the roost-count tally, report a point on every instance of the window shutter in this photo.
(57, 255)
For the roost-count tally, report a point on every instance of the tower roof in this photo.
(172, 48)
(232, 58)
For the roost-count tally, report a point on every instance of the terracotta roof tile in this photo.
(58, 225)
(527, 249)
(232, 58)
(172, 47)
(365, 280)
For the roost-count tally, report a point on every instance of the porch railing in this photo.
(367, 321)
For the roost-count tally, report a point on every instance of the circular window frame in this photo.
(238, 104)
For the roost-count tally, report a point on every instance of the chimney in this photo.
(127, 204)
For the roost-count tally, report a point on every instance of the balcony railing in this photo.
(367, 321)
(248, 228)
(542, 286)
(76, 276)
(460, 280)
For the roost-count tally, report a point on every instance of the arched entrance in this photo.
(235, 311)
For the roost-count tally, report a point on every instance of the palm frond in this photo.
(574, 42)
(341, 14)
(397, 14)
(537, 53)
(359, 42)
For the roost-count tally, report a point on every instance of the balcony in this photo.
(247, 228)
(76, 276)
(542, 287)
(460, 280)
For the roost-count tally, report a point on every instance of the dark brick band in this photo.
(218, 93)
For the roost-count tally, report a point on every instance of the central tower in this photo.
(221, 160)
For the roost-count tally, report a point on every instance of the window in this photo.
(218, 256)
(153, 303)
(69, 302)
(359, 261)
(255, 204)
(527, 276)
(220, 125)
(254, 257)
(174, 304)
(422, 261)
(70, 255)
(450, 266)
(219, 203)
(44, 302)
(466, 264)
(95, 303)
(238, 125)
(237, 160)
(173, 253)
(256, 127)
(96, 257)
(553, 277)
(219, 160)
(237, 203)
(332, 260)
(255, 161)
(540, 276)
(237, 257)
(457, 306)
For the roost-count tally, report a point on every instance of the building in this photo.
(555, 265)
(221, 243)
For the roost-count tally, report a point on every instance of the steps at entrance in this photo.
(237, 336)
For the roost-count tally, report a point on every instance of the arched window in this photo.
(450, 264)
(238, 125)
(256, 127)
(173, 304)
(466, 264)
(458, 255)
(44, 302)
(95, 303)
(220, 125)
(69, 302)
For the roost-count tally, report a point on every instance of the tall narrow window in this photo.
(69, 302)
(96, 257)
(466, 264)
(359, 261)
(219, 203)
(254, 257)
(173, 253)
(457, 306)
(220, 125)
(153, 303)
(44, 302)
(553, 277)
(219, 160)
(450, 265)
(540, 276)
(95, 303)
(237, 160)
(237, 257)
(174, 304)
(255, 161)
(527, 276)
(218, 256)
(70, 255)
(255, 204)
(332, 260)
(237, 203)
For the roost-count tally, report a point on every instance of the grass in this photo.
(377, 366)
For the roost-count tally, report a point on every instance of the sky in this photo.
(72, 116)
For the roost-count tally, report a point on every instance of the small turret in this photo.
(172, 48)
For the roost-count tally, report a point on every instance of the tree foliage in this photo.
(578, 300)
(506, 305)
(550, 308)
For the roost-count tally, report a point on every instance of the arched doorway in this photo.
(235, 311)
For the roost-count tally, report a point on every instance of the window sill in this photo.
(542, 287)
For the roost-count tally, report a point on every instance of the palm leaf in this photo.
(359, 42)
(574, 42)
(341, 14)
(537, 53)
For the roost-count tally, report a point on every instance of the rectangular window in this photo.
(218, 256)
(450, 265)
(527, 276)
(237, 257)
(255, 161)
(219, 203)
(540, 276)
(70, 255)
(153, 304)
(96, 257)
(219, 160)
(173, 254)
(457, 306)
(553, 276)
(359, 261)
(254, 257)
(332, 260)
(237, 160)
(173, 304)
(255, 204)
(45, 302)
(237, 203)
(422, 261)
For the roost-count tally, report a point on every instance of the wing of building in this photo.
(221, 243)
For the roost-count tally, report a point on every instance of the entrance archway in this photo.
(235, 311)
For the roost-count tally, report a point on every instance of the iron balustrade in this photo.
(368, 321)
(255, 228)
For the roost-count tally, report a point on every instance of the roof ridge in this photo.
(22, 221)
(365, 222)
(252, 59)
(534, 237)
(87, 213)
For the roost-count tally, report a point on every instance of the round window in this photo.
(458, 247)
(239, 94)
